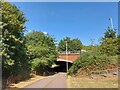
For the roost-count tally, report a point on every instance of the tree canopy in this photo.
(109, 42)
(42, 49)
(73, 45)
(14, 52)
(110, 33)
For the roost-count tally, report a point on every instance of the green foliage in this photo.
(72, 45)
(89, 48)
(98, 57)
(110, 33)
(110, 46)
(91, 60)
(109, 43)
(14, 52)
(43, 50)
(114, 60)
(76, 45)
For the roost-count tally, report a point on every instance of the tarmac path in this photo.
(58, 80)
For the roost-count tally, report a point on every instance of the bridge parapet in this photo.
(70, 56)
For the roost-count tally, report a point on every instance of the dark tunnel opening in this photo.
(61, 66)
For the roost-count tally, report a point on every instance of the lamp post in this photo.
(111, 23)
(66, 58)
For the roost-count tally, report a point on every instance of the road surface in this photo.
(58, 80)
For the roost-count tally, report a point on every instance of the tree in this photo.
(14, 53)
(109, 43)
(72, 45)
(62, 44)
(43, 51)
(76, 45)
(110, 46)
(110, 33)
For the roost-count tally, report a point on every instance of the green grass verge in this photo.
(85, 82)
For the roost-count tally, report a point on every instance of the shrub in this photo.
(90, 60)
(109, 46)
(113, 60)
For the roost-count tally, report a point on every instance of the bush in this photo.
(113, 60)
(109, 46)
(89, 60)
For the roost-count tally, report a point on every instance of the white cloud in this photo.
(45, 32)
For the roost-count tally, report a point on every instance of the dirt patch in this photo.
(23, 84)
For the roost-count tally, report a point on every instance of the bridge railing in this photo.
(69, 52)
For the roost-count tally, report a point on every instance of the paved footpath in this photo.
(58, 80)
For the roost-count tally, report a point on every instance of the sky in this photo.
(83, 20)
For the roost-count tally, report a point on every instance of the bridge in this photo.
(61, 61)
(71, 57)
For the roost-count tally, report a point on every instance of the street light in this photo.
(111, 23)
(66, 58)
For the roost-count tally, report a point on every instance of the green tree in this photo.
(15, 59)
(72, 44)
(110, 33)
(43, 51)
(62, 44)
(109, 43)
(76, 45)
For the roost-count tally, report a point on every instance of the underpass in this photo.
(59, 78)
(63, 61)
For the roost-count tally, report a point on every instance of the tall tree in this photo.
(109, 42)
(14, 53)
(76, 45)
(43, 51)
(110, 33)
(72, 44)
(62, 44)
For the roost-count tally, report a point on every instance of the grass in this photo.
(86, 82)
